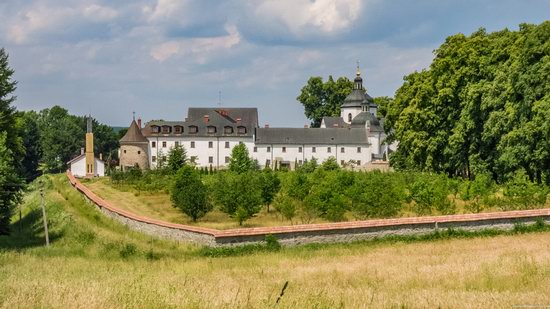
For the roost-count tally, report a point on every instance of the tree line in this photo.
(32, 143)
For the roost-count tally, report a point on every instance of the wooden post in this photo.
(44, 214)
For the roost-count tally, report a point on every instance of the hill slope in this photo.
(94, 262)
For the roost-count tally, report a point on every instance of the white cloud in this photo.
(327, 16)
(37, 19)
(98, 13)
(197, 47)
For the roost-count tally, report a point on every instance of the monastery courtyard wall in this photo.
(313, 233)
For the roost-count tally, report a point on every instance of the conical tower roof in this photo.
(133, 135)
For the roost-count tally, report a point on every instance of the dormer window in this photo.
(155, 129)
(211, 129)
(166, 129)
(178, 129)
(228, 130)
(193, 129)
(241, 130)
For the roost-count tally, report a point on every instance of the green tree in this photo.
(189, 193)
(33, 151)
(177, 157)
(323, 99)
(270, 185)
(330, 164)
(377, 195)
(239, 195)
(480, 108)
(240, 160)
(10, 185)
(286, 206)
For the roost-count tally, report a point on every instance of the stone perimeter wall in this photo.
(312, 233)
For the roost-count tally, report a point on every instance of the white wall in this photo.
(99, 168)
(354, 111)
(78, 167)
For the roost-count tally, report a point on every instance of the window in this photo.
(210, 159)
(342, 162)
(210, 144)
(267, 162)
(193, 159)
(358, 149)
(227, 159)
(241, 130)
(193, 129)
(358, 162)
(284, 149)
(166, 129)
(153, 144)
(124, 150)
(255, 149)
(342, 149)
(154, 158)
(228, 130)
(313, 149)
(178, 129)
(192, 144)
(155, 129)
(299, 149)
(163, 144)
(176, 144)
(299, 162)
(349, 117)
(268, 149)
(211, 129)
(226, 144)
(163, 158)
(139, 152)
(329, 150)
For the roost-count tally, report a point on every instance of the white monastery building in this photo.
(209, 135)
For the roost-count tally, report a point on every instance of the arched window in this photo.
(349, 117)
(166, 129)
(155, 129)
(178, 129)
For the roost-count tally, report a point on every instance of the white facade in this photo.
(77, 166)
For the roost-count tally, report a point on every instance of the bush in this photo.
(521, 193)
(377, 195)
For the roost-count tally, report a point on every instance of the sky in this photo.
(159, 57)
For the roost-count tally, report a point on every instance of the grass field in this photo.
(94, 262)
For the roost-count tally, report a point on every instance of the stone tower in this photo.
(134, 148)
(90, 160)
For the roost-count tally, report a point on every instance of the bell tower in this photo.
(90, 160)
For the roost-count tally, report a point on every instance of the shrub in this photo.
(238, 194)
(128, 250)
(286, 206)
(376, 195)
(521, 193)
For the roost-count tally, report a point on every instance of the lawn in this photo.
(95, 262)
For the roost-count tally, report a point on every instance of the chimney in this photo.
(238, 120)
(206, 118)
(306, 126)
(82, 150)
(101, 155)
(139, 122)
(266, 126)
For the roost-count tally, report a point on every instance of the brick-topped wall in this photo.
(312, 233)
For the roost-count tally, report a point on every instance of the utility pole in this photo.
(44, 213)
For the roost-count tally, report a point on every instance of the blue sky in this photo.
(159, 57)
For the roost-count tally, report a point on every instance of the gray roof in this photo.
(330, 122)
(220, 118)
(361, 120)
(317, 136)
(133, 135)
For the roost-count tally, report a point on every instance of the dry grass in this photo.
(157, 205)
(89, 272)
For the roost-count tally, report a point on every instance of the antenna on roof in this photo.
(219, 98)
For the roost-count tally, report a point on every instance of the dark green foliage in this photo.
(323, 99)
(10, 185)
(189, 193)
(482, 107)
(177, 157)
(431, 193)
(272, 243)
(309, 166)
(479, 192)
(286, 206)
(240, 160)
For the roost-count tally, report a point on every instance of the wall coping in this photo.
(318, 227)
